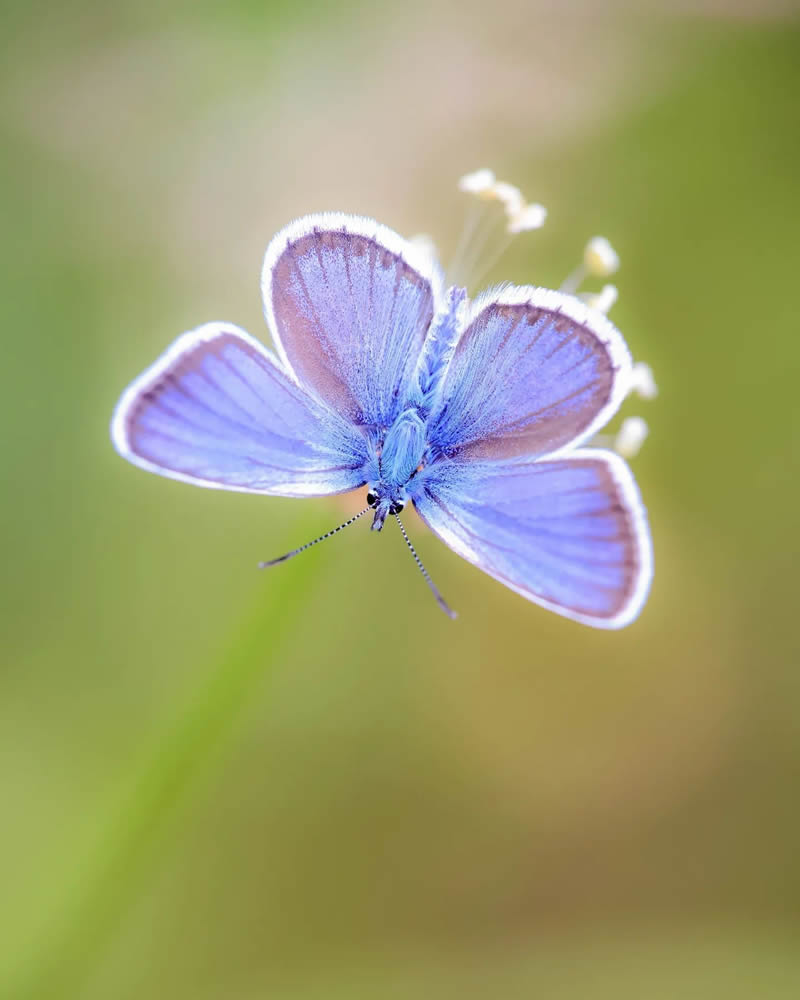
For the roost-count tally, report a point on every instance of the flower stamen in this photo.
(510, 197)
(481, 227)
(630, 437)
(643, 381)
(603, 300)
(600, 260)
(478, 182)
(526, 218)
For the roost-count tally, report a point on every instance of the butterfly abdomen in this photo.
(437, 351)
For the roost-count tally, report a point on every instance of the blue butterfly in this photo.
(384, 378)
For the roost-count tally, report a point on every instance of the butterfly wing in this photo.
(533, 371)
(569, 533)
(217, 410)
(348, 302)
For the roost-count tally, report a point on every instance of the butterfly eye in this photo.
(396, 508)
(372, 500)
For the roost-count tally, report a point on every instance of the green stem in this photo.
(92, 915)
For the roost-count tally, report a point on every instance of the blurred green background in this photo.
(311, 784)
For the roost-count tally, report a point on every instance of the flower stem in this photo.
(129, 849)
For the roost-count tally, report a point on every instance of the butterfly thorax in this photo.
(400, 455)
(403, 448)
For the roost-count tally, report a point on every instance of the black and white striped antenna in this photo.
(296, 552)
(346, 524)
(439, 599)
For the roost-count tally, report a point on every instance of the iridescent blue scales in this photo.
(387, 380)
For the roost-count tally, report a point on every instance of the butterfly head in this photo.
(383, 504)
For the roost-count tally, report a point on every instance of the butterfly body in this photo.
(404, 449)
(385, 379)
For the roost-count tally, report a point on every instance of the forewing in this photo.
(348, 302)
(534, 371)
(570, 533)
(217, 410)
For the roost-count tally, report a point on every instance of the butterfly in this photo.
(473, 412)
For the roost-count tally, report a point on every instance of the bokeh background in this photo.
(311, 784)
